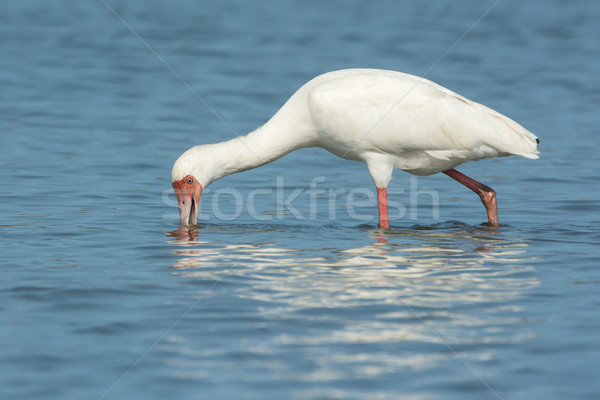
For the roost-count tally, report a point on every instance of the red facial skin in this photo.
(188, 192)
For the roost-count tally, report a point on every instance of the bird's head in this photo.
(187, 181)
(188, 191)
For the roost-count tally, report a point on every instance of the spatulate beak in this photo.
(188, 192)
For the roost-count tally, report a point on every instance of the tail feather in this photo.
(515, 138)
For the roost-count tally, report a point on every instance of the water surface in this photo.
(103, 297)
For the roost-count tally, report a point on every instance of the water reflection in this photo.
(424, 268)
(417, 290)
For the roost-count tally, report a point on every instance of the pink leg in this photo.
(486, 193)
(384, 222)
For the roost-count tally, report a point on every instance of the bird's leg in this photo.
(384, 222)
(486, 193)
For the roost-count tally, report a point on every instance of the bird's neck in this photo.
(275, 139)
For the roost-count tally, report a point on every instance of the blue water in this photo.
(101, 299)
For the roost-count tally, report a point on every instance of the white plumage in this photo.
(386, 119)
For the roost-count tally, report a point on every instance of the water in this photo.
(100, 298)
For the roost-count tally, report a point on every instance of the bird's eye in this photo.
(190, 181)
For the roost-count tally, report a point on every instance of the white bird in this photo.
(386, 119)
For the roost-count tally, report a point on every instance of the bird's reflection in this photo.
(184, 236)
(431, 265)
(405, 286)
